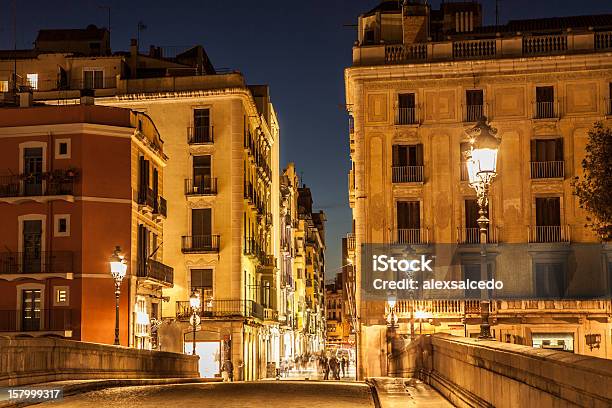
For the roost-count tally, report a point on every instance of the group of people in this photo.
(333, 365)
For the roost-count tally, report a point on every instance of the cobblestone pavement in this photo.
(285, 394)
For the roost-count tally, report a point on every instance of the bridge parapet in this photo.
(471, 372)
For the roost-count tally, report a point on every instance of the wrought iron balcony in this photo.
(160, 206)
(406, 116)
(57, 319)
(473, 113)
(36, 262)
(201, 186)
(407, 174)
(157, 271)
(221, 308)
(547, 169)
(200, 243)
(549, 233)
(40, 184)
(468, 235)
(200, 135)
(412, 236)
(546, 110)
(146, 197)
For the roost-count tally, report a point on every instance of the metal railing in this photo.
(58, 319)
(473, 113)
(545, 110)
(470, 49)
(406, 116)
(407, 174)
(200, 134)
(36, 262)
(549, 233)
(200, 243)
(158, 271)
(547, 169)
(544, 44)
(203, 186)
(146, 197)
(32, 185)
(471, 235)
(412, 236)
(222, 308)
(404, 308)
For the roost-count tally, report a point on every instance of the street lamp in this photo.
(482, 169)
(391, 316)
(194, 302)
(118, 269)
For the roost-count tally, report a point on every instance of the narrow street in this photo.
(286, 394)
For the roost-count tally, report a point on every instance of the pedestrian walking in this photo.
(325, 365)
(343, 366)
(227, 371)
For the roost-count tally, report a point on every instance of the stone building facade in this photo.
(419, 79)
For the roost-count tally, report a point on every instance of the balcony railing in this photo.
(407, 174)
(544, 44)
(471, 49)
(545, 110)
(404, 308)
(549, 233)
(547, 169)
(200, 243)
(36, 262)
(200, 135)
(405, 53)
(603, 40)
(158, 271)
(146, 196)
(202, 186)
(406, 116)
(33, 185)
(468, 235)
(221, 308)
(473, 113)
(36, 320)
(412, 236)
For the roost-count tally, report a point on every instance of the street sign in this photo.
(197, 320)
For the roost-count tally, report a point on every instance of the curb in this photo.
(81, 388)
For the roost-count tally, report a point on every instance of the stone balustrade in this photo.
(513, 46)
(36, 360)
(475, 373)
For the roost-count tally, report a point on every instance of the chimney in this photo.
(25, 99)
(133, 57)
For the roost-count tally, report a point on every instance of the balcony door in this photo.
(408, 222)
(545, 102)
(474, 100)
(201, 125)
(32, 169)
(32, 246)
(407, 163)
(30, 310)
(548, 219)
(546, 158)
(201, 228)
(406, 113)
(202, 282)
(202, 173)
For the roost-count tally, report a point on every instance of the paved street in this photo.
(286, 394)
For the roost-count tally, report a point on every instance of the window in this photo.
(201, 126)
(33, 168)
(32, 246)
(406, 109)
(368, 36)
(474, 102)
(408, 222)
(407, 163)
(4, 86)
(61, 296)
(30, 309)
(202, 174)
(548, 220)
(143, 249)
(62, 149)
(154, 310)
(547, 158)
(202, 281)
(61, 225)
(471, 234)
(545, 102)
(93, 78)
(201, 228)
(32, 80)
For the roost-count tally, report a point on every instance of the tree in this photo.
(594, 188)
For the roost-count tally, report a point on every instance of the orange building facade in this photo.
(75, 182)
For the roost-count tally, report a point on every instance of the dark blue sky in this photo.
(299, 48)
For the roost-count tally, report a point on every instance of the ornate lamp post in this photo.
(391, 316)
(194, 302)
(118, 269)
(482, 169)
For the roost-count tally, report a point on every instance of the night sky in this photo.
(299, 48)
